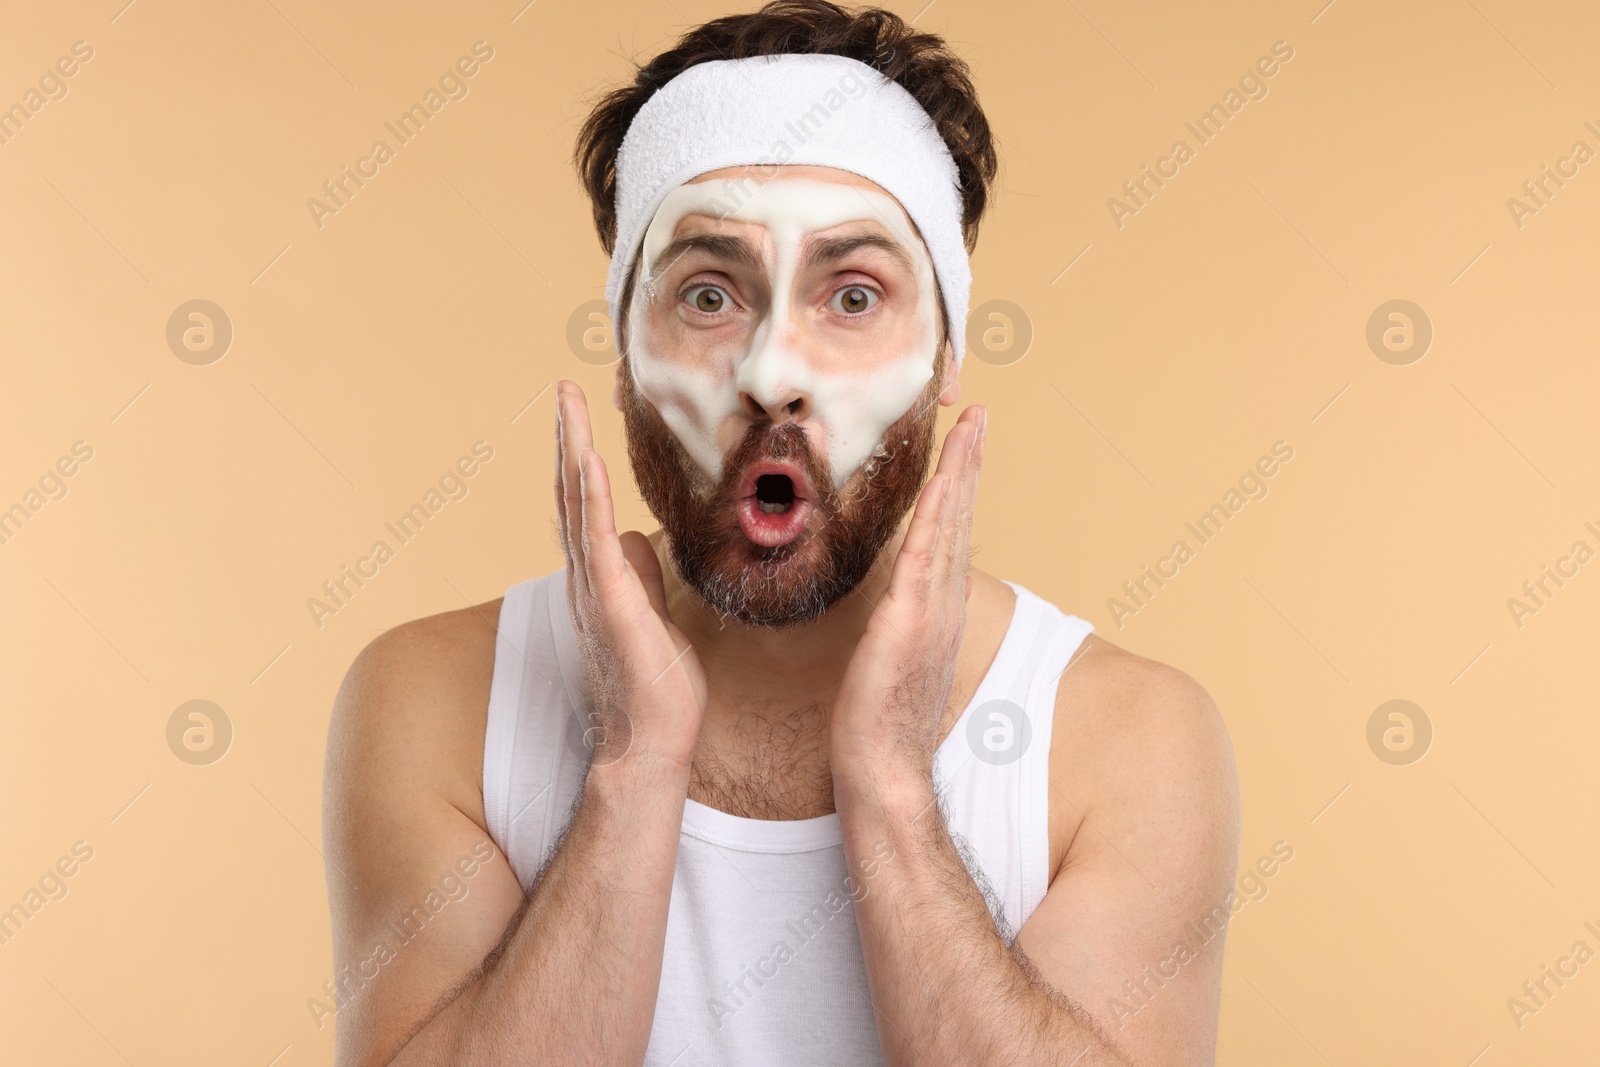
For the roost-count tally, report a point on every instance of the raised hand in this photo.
(886, 717)
(648, 685)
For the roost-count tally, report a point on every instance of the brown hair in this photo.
(920, 62)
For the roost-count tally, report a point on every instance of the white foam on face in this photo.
(859, 382)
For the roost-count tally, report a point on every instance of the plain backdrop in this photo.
(1171, 347)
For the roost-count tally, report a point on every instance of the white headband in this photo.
(821, 109)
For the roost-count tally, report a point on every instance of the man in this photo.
(787, 781)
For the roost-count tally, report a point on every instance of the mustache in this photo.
(763, 440)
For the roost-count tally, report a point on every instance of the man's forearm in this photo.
(576, 977)
(946, 986)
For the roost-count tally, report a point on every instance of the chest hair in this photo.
(768, 762)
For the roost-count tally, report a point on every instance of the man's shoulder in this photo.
(1117, 696)
(1112, 703)
(451, 651)
(449, 647)
(428, 680)
(1136, 739)
(413, 707)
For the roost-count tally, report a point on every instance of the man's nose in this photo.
(774, 379)
(789, 405)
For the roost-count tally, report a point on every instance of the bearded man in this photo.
(787, 781)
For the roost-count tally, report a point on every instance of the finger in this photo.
(924, 543)
(560, 483)
(569, 550)
(969, 493)
(601, 549)
(953, 452)
(948, 533)
(642, 558)
(575, 437)
(974, 458)
(954, 460)
(912, 562)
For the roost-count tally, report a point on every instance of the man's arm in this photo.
(1155, 846)
(1143, 767)
(402, 804)
(489, 978)
(572, 972)
(1156, 789)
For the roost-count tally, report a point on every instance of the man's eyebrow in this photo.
(723, 246)
(832, 249)
(737, 250)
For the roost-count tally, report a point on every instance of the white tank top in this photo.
(763, 965)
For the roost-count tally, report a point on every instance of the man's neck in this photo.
(800, 665)
(763, 749)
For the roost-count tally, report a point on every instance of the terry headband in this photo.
(821, 109)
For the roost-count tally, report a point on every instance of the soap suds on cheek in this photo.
(694, 391)
(863, 408)
(860, 406)
(692, 401)
(852, 407)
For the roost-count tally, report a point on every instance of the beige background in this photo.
(431, 312)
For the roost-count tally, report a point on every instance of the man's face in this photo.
(780, 388)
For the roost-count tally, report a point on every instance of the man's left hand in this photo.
(884, 726)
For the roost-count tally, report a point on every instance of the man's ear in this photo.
(951, 393)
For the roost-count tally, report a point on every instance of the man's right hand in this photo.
(648, 685)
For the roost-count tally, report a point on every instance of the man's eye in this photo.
(708, 298)
(853, 299)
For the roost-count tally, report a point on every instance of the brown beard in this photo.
(848, 527)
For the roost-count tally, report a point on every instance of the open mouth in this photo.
(774, 493)
(773, 504)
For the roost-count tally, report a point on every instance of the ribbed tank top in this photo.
(762, 962)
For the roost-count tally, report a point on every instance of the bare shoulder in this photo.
(451, 646)
(1115, 702)
(413, 708)
(1138, 742)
